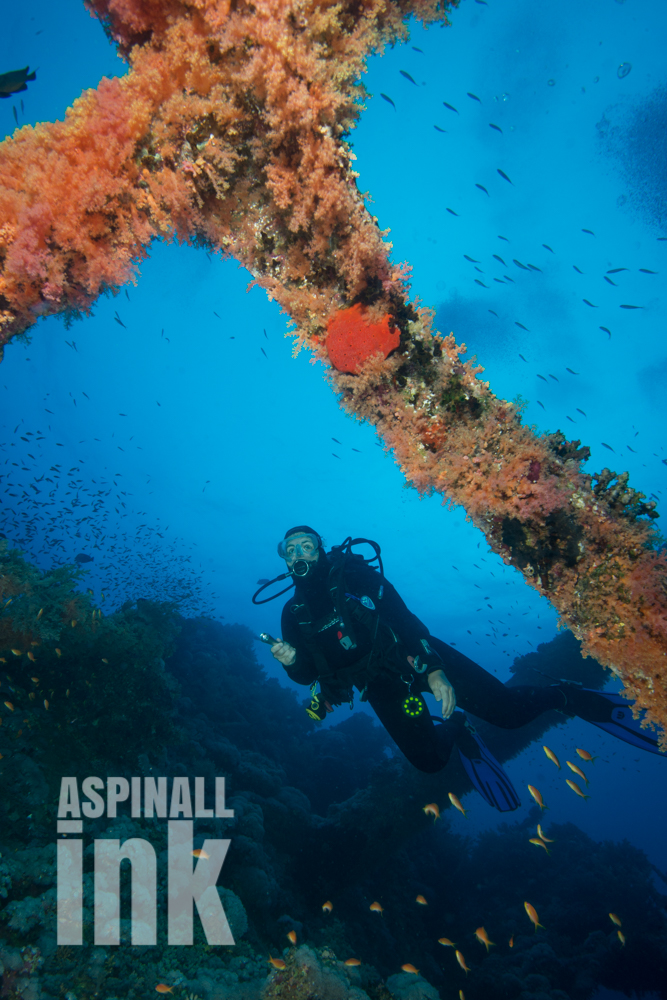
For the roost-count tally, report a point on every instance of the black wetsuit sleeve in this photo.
(304, 669)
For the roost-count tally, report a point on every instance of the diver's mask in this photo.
(300, 552)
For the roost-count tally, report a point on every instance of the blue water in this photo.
(221, 448)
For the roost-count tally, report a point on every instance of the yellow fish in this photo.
(532, 914)
(40, 612)
(376, 908)
(432, 810)
(577, 770)
(420, 899)
(462, 962)
(575, 788)
(59, 652)
(292, 936)
(17, 652)
(73, 622)
(32, 658)
(621, 936)
(46, 705)
(447, 943)
(511, 941)
(328, 906)
(552, 756)
(483, 938)
(163, 988)
(35, 680)
(455, 802)
(539, 843)
(410, 968)
(277, 963)
(541, 835)
(462, 995)
(352, 961)
(537, 796)
(104, 661)
(584, 754)
(616, 920)
(9, 706)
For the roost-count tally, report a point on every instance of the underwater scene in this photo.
(321, 326)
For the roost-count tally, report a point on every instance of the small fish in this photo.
(553, 377)
(415, 49)
(462, 962)
(462, 995)
(607, 446)
(163, 988)
(455, 802)
(446, 942)
(504, 175)
(552, 756)
(541, 376)
(352, 961)
(292, 937)
(104, 660)
(537, 796)
(511, 941)
(46, 705)
(264, 352)
(35, 680)
(388, 100)
(547, 247)
(493, 313)
(9, 706)
(328, 906)
(120, 322)
(420, 899)
(631, 307)
(59, 652)
(540, 404)
(571, 372)
(577, 269)
(432, 809)
(471, 259)
(516, 323)
(199, 852)
(621, 936)
(17, 652)
(410, 968)
(277, 963)
(581, 411)
(606, 330)
(645, 270)
(376, 908)
(631, 449)
(407, 76)
(589, 231)
(589, 303)
(532, 914)
(496, 257)
(15, 81)
(575, 788)
(534, 267)
(83, 558)
(503, 238)
(615, 919)
(546, 840)
(609, 281)
(519, 264)
(336, 440)
(31, 657)
(522, 358)
(496, 127)
(482, 188)
(478, 282)
(483, 938)
(584, 754)
(539, 843)
(452, 212)
(451, 108)
(474, 97)
(438, 129)
(577, 770)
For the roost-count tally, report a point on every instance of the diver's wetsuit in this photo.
(312, 626)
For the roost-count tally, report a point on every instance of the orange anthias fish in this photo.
(537, 796)
(376, 908)
(621, 936)
(615, 920)
(447, 943)
(539, 843)
(328, 906)
(199, 852)
(277, 963)
(292, 936)
(511, 941)
(163, 988)
(483, 938)
(420, 899)
(552, 756)
(575, 788)
(410, 968)
(432, 809)
(546, 840)
(32, 657)
(455, 802)
(584, 754)
(462, 995)
(352, 961)
(462, 962)
(532, 913)
(577, 770)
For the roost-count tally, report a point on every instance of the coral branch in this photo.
(230, 130)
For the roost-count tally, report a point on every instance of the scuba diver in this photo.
(346, 626)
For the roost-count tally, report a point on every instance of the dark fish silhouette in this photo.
(496, 257)
(503, 238)
(407, 76)
(581, 411)
(519, 264)
(631, 449)
(499, 280)
(607, 446)
(15, 81)
(481, 283)
(263, 352)
(610, 281)
(645, 270)
(83, 558)
(516, 323)
(504, 175)
(450, 106)
(542, 377)
(522, 358)
(471, 259)
(494, 313)
(540, 404)
(606, 330)
(452, 212)
(589, 303)
(589, 231)
(388, 100)
(357, 451)
(415, 49)
(336, 456)
(337, 441)
(508, 278)
(577, 269)
(474, 97)
(571, 372)
(534, 268)
(266, 334)
(546, 247)
(482, 188)
(438, 129)
(496, 127)
(632, 307)
(615, 270)
(553, 377)
(571, 420)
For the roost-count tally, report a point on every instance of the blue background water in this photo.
(240, 446)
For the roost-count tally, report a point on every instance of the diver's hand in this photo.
(284, 653)
(443, 692)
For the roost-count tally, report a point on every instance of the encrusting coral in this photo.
(230, 130)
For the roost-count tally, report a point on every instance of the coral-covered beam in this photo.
(230, 129)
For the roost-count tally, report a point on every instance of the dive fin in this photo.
(485, 772)
(621, 724)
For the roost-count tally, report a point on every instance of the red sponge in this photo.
(352, 339)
